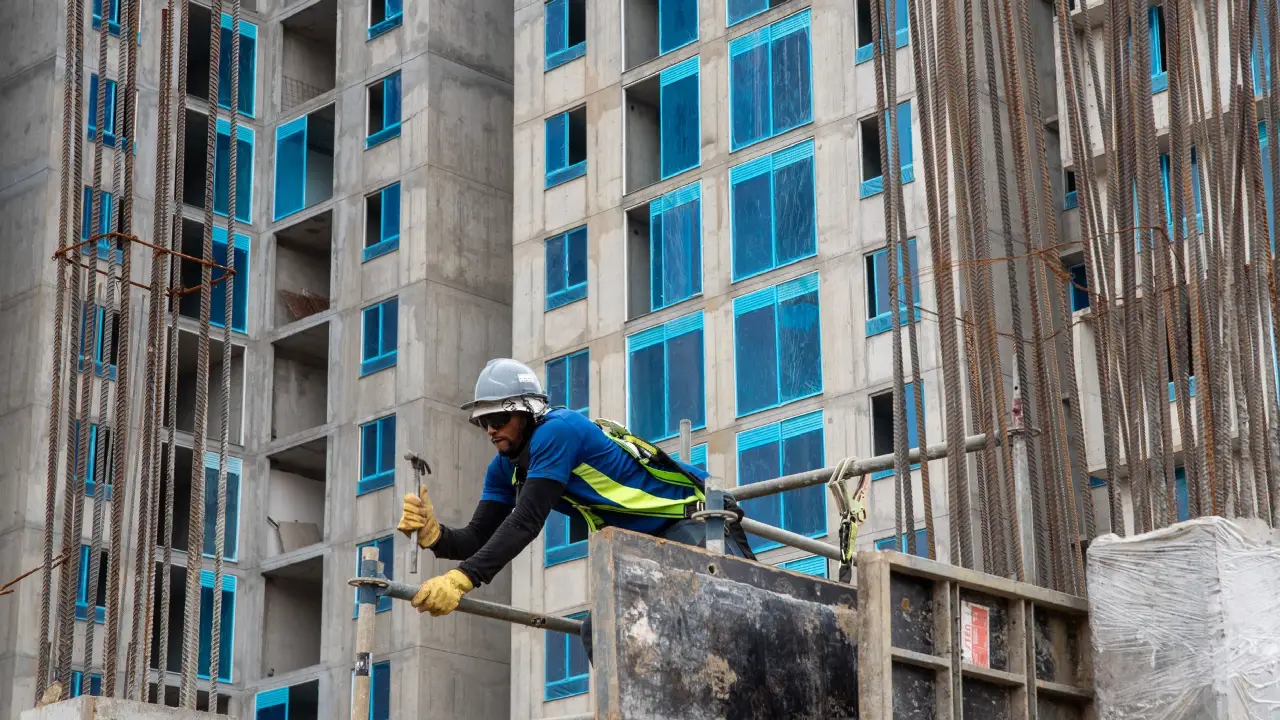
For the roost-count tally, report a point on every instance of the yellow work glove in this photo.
(418, 516)
(440, 595)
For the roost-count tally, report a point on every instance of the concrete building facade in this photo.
(373, 281)
(699, 233)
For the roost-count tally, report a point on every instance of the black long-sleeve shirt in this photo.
(497, 533)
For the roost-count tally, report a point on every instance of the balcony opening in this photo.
(188, 358)
(296, 497)
(292, 618)
(639, 289)
(300, 382)
(303, 266)
(644, 135)
(309, 60)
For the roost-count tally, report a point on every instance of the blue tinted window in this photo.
(231, 536)
(565, 538)
(101, 227)
(1159, 71)
(872, 164)
(386, 556)
(1268, 183)
(878, 301)
(380, 336)
(109, 117)
(677, 24)
(698, 455)
(566, 31)
(567, 671)
(675, 246)
(568, 381)
(291, 167)
(77, 684)
(100, 589)
(866, 30)
(113, 22)
(384, 110)
(248, 67)
(919, 543)
(1261, 61)
(384, 15)
(882, 428)
(566, 267)
(812, 565)
(784, 448)
(566, 146)
(226, 627)
(679, 130)
(377, 454)
(666, 378)
(777, 345)
(244, 171)
(773, 210)
(382, 222)
(770, 79)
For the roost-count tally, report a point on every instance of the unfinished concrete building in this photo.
(373, 205)
(699, 234)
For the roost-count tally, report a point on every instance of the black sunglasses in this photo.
(493, 420)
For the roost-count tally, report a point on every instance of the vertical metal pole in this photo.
(715, 523)
(367, 598)
(686, 441)
(1022, 493)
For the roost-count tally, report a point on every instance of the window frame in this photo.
(778, 433)
(771, 164)
(228, 637)
(690, 194)
(388, 197)
(662, 49)
(882, 321)
(558, 553)
(1079, 287)
(100, 369)
(91, 460)
(773, 296)
(663, 334)
(913, 439)
(564, 171)
(1155, 31)
(570, 292)
(919, 539)
(766, 36)
(1070, 198)
(248, 31)
(392, 17)
(386, 357)
(565, 364)
(231, 536)
(808, 566)
(906, 150)
(386, 545)
(106, 208)
(382, 477)
(77, 684)
(679, 129)
(113, 19)
(553, 59)
(109, 114)
(902, 31)
(245, 135)
(569, 685)
(392, 110)
(82, 586)
(240, 284)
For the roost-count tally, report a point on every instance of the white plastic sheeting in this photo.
(1186, 622)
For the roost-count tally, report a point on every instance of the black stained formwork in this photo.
(940, 642)
(683, 634)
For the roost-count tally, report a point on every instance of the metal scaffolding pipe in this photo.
(484, 608)
(786, 537)
(866, 465)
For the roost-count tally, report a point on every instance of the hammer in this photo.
(420, 470)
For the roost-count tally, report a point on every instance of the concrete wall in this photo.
(301, 396)
(291, 623)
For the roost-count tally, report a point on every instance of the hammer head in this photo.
(418, 462)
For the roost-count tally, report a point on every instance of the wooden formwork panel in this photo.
(937, 642)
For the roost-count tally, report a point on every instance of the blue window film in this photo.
(91, 461)
(1070, 199)
(666, 378)
(784, 448)
(231, 537)
(1268, 183)
(777, 345)
(919, 543)
(189, 305)
(377, 455)
(1167, 194)
(109, 118)
(380, 336)
(101, 227)
(567, 671)
(82, 587)
(866, 29)
(697, 455)
(680, 130)
(739, 10)
(113, 21)
(244, 170)
(1079, 287)
(384, 15)
(1195, 188)
(1180, 493)
(882, 425)
(291, 167)
(565, 538)
(879, 319)
(773, 211)
(815, 565)
(384, 110)
(248, 67)
(675, 246)
(101, 367)
(568, 381)
(677, 24)
(1261, 61)
(77, 684)
(1159, 71)
(770, 81)
(382, 222)
(272, 705)
(873, 165)
(566, 31)
(380, 691)
(566, 260)
(226, 630)
(566, 150)
(386, 556)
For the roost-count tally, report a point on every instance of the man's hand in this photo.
(419, 516)
(440, 595)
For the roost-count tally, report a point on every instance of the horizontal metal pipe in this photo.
(860, 467)
(786, 537)
(496, 611)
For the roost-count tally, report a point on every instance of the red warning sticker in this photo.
(975, 630)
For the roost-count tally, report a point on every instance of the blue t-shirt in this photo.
(563, 441)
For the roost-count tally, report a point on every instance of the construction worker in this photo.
(553, 458)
